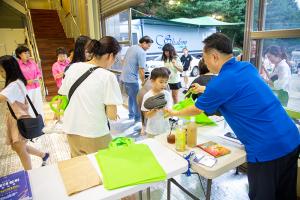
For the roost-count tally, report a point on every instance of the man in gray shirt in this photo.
(133, 67)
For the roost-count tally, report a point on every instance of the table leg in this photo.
(148, 193)
(141, 195)
(237, 171)
(183, 189)
(169, 190)
(208, 189)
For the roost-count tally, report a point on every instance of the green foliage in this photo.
(230, 10)
(280, 14)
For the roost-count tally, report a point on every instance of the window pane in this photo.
(117, 26)
(282, 14)
(253, 52)
(119, 57)
(279, 14)
(255, 15)
(280, 67)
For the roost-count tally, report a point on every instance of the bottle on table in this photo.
(180, 137)
(192, 133)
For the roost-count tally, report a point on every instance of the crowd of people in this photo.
(232, 88)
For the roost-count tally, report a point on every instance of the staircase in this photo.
(49, 35)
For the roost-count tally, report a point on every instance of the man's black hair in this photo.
(146, 39)
(219, 42)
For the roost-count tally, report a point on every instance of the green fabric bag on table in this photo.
(131, 165)
(199, 119)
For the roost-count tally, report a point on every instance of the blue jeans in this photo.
(132, 90)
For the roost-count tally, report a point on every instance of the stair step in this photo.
(42, 11)
(49, 35)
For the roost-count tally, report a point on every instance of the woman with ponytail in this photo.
(94, 101)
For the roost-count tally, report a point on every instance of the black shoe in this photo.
(45, 159)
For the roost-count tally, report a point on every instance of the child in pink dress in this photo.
(15, 94)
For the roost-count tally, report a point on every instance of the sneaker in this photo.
(137, 126)
(45, 159)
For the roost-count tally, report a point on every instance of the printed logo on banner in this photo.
(178, 44)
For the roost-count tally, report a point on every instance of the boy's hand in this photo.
(154, 110)
(151, 113)
(169, 113)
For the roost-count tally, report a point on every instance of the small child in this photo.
(59, 66)
(58, 69)
(156, 123)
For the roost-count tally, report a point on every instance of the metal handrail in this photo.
(33, 43)
(64, 14)
(31, 33)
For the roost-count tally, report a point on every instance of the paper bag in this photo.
(78, 174)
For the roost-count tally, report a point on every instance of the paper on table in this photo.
(78, 174)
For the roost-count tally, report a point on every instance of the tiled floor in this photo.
(226, 187)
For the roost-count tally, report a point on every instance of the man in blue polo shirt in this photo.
(256, 116)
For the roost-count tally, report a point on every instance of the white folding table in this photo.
(46, 182)
(224, 163)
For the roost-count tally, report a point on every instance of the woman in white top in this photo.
(281, 75)
(173, 63)
(14, 93)
(282, 70)
(94, 101)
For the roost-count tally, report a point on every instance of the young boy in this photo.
(59, 66)
(156, 123)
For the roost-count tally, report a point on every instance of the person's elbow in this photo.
(2, 98)
(111, 112)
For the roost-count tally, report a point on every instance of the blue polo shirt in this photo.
(134, 59)
(252, 111)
